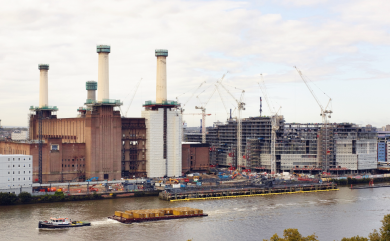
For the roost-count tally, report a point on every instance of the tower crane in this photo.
(240, 108)
(203, 108)
(132, 98)
(274, 123)
(325, 114)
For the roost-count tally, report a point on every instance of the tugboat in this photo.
(62, 223)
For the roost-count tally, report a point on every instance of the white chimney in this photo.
(161, 81)
(43, 85)
(103, 80)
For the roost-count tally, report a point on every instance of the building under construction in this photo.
(299, 147)
(99, 142)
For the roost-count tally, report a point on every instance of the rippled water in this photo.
(331, 215)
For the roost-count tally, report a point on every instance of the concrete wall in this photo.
(174, 139)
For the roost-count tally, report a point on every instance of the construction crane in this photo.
(325, 114)
(240, 108)
(203, 108)
(274, 123)
(132, 98)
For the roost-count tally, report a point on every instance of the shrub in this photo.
(8, 198)
(25, 197)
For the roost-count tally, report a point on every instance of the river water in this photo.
(331, 215)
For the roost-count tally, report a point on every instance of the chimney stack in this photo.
(103, 91)
(43, 85)
(161, 81)
(91, 87)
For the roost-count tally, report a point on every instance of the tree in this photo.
(356, 238)
(385, 229)
(292, 234)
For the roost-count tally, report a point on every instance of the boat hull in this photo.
(167, 217)
(48, 225)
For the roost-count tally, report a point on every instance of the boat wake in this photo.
(104, 222)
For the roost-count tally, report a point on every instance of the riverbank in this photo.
(27, 198)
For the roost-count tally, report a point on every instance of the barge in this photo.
(147, 215)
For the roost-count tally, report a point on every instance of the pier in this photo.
(245, 191)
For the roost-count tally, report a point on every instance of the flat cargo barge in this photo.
(148, 215)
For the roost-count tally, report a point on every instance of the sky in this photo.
(341, 47)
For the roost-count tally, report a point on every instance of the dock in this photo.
(249, 191)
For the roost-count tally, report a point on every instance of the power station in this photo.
(99, 142)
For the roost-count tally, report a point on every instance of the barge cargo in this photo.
(147, 215)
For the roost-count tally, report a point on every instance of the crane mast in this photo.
(240, 107)
(274, 124)
(325, 114)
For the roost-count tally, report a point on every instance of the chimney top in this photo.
(103, 49)
(91, 85)
(43, 66)
(161, 52)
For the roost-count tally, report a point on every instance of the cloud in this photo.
(205, 39)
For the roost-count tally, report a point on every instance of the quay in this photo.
(248, 191)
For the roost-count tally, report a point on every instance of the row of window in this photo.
(13, 159)
(24, 179)
(24, 165)
(24, 172)
(81, 159)
(77, 165)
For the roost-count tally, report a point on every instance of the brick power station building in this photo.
(99, 142)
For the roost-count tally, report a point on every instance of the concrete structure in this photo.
(16, 173)
(163, 123)
(43, 85)
(161, 77)
(195, 157)
(19, 135)
(103, 72)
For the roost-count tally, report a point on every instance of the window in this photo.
(72, 160)
(9, 172)
(24, 172)
(18, 159)
(9, 159)
(68, 160)
(13, 179)
(19, 179)
(29, 171)
(62, 165)
(24, 165)
(13, 165)
(29, 165)
(24, 178)
(13, 172)
(55, 147)
(29, 178)
(18, 172)
(9, 165)
(72, 165)
(19, 165)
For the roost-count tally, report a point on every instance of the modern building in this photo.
(16, 173)
(19, 135)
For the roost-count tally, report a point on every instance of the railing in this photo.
(167, 102)
(53, 108)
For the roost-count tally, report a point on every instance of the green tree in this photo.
(292, 234)
(385, 229)
(25, 197)
(356, 238)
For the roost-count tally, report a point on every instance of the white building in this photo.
(356, 154)
(16, 173)
(161, 164)
(19, 135)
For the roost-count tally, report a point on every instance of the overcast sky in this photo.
(343, 47)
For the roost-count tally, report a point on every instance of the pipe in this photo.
(161, 79)
(103, 73)
(43, 85)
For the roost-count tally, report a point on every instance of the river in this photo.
(331, 215)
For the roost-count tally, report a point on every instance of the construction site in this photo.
(101, 142)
